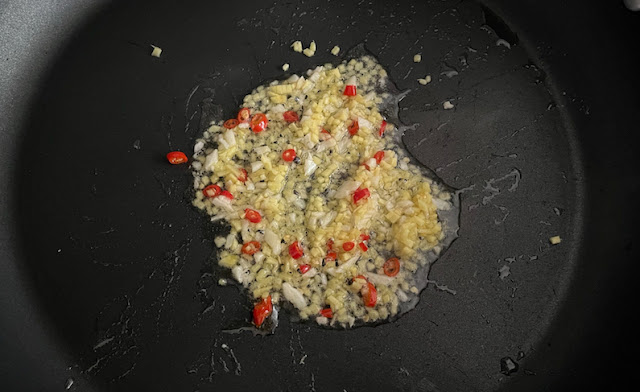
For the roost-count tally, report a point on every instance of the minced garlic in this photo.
(297, 46)
(339, 210)
(425, 81)
(156, 51)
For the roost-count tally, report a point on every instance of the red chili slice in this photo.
(369, 293)
(383, 126)
(391, 267)
(212, 191)
(177, 157)
(365, 237)
(295, 250)
(379, 156)
(361, 194)
(244, 114)
(326, 312)
(243, 175)
(350, 90)
(331, 256)
(363, 246)
(289, 155)
(259, 122)
(290, 116)
(227, 194)
(353, 128)
(324, 135)
(231, 123)
(262, 310)
(250, 247)
(330, 243)
(304, 268)
(252, 216)
(347, 246)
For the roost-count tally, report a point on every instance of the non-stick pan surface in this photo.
(110, 269)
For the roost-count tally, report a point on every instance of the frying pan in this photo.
(107, 273)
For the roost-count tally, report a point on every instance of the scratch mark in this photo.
(503, 43)
(224, 365)
(232, 355)
(442, 125)
(188, 122)
(186, 106)
(505, 213)
(103, 343)
(486, 147)
(442, 287)
(452, 163)
(408, 72)
(126, 373)
(95, 365)
(424, 139)
(493, 191)
(208, 308)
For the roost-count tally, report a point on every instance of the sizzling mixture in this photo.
(325, 211)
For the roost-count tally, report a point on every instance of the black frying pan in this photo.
(106, 272)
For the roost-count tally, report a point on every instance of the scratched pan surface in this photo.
(119, 265)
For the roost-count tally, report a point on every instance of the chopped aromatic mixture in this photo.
(326, 214)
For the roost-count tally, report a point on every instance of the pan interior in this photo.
(118, 258)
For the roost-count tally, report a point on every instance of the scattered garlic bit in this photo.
(447, 105)
(425, 81)
(222, 282)
(297, 46)
(555, 240)
(417, 58)
(311, 50)
(335, 50)
(156, 52)
(285, 67)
